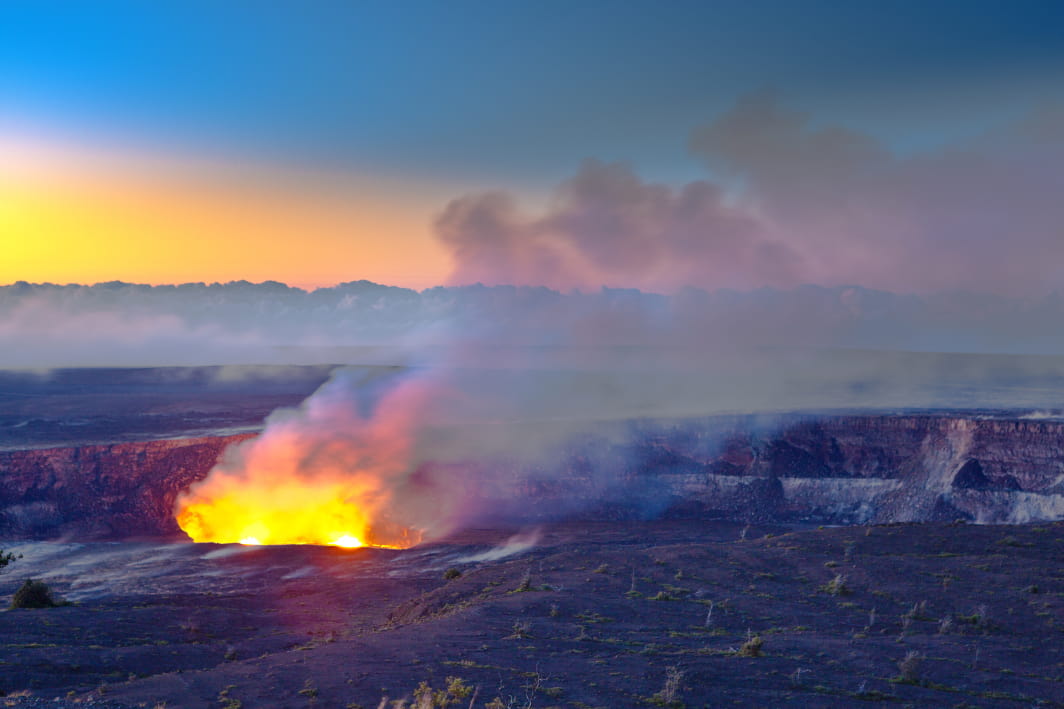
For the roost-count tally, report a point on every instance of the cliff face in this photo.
(102, 491)
(849, 469)
(838, 470)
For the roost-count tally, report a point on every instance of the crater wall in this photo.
(852, 469)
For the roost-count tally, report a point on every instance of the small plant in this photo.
(457, 688)
(520, 631)
(836, 586)
(309, 690)
(669, 694)
(228, 702)
(909, 667)
(526, 583)
(979, 617)
(752, 647)
(919, 611)
(33, 594)
(944, 625)
(661, 596)
(451, 573)
(7, 558)
(601, 569)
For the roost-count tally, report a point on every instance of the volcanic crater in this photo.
(825, 560)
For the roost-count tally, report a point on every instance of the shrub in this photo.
(752, 647)
(33, 594)
(7, 557)
(836, 586)
(520, 631)
(425, 697)
(451, 573)
(526, 583)
(909, 667)
(669, 694)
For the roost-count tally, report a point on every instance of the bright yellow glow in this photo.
(70, 217)
(336, 506)
(251, 541)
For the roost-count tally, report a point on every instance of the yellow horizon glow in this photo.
(77, 216)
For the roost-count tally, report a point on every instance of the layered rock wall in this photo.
(119, 490)
(837, 469)
(860, 469)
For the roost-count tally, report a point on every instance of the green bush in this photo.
(7, 557)
(33, 594)
(752, 647)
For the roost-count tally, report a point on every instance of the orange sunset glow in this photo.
(72, 216)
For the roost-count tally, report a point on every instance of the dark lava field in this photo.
(667, 613)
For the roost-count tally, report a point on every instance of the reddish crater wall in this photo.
(102, 491)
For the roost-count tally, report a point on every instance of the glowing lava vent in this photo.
(308, 479)
(286, 514)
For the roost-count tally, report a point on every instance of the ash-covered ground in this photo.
(666, 613)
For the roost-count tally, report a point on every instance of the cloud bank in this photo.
(117, 324)
(792, 203)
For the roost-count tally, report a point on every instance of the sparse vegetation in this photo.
(752, 647)
(520, 630)
(591, 638)
(7, 558)
(33, 594)
(526, 583)
(309, 690)
(909, 668)
(669, 694)
(451, 573)
(836, 586)
(227, 701)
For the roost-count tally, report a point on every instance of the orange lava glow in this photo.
(327, 514)
(272, 506)
(322, 475)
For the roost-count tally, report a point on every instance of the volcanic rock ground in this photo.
(564, 614)
(589, 615)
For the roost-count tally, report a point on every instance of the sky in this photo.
(420, 143)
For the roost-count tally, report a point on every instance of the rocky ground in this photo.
(666, 613)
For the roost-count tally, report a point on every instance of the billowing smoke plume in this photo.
(794, 203)
(608, 227)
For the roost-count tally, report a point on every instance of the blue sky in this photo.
(512, 93)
